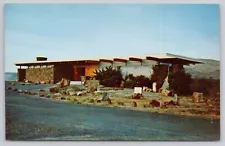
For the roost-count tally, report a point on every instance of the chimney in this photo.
(41, 58)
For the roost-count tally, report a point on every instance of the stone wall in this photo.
(40, 74)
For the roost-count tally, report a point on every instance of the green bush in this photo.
(179, 82)
(109, 76)
(132, 81)
(209, 87)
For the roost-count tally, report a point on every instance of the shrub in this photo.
(209, 87)
(109, 76)
(179, 82)
(132, 81)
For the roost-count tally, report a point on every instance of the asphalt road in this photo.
(35, 118)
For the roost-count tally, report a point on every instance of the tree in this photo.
(179, 82)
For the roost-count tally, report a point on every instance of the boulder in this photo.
(170, 103)
(165, 92)
(41, 94)
(79, 93)
(20, 91)
(57, 95)
(134, 104)
(25, 91)
(63, 98)
(136, 96)
(42, 82)
(54, 89)
(197, 97)
(154, 103)
(64, 83)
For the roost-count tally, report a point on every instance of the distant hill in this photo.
(210, 69)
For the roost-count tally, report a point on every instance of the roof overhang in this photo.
(56, 62)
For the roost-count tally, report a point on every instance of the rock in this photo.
(120, 103)
(41, 94)
(79, 93)
(197, 97)
(8, 88)
(15, 89)
(63, 98)
(105, 96)
(160, 90)
(134, 104)
(101, 86)
(23, 84)
(54, 89)
(64, 83)
(165, 92)
(26, 81)
(154, 103)
(13, 84)
(170, 103)
(71, 93)
(42, 82)
(99, 101)
(25, 91)
(136, 96)
(20, 91)
(148, 90)
(56, 95)
(41, 90)
(91, 100)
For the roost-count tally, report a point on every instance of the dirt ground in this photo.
(123, 99)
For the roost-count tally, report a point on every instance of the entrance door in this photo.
(78, 72)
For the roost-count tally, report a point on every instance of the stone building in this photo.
(54, 71)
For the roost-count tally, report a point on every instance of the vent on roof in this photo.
(41, 58)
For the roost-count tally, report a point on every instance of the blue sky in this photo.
(74, 31)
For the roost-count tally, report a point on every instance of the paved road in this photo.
(34, 118)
